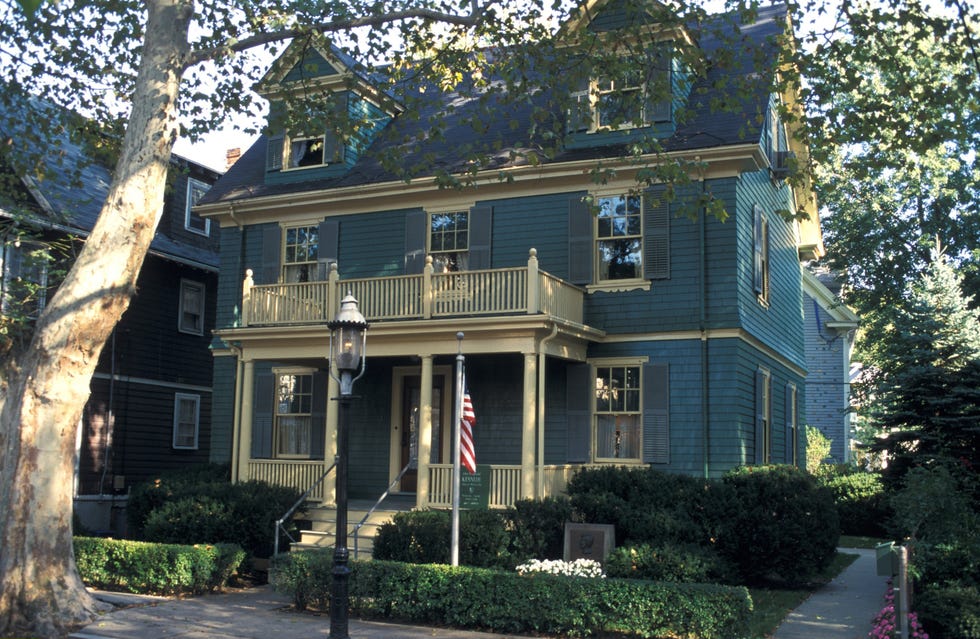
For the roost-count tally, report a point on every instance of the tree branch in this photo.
(202, 55)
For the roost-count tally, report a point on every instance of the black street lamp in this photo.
(348, 335)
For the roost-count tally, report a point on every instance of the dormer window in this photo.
(634, 98)
(304, 151)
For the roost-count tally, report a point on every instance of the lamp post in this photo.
(348, 338)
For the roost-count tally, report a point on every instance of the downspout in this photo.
(237, 417)
(539, 420)
(703, 328)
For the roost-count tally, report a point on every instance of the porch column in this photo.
(529, 429)
(330, 440)
(539, 467)
(425, 434)
(244, 424)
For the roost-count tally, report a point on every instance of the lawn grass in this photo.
(853, 541)
(771, 605)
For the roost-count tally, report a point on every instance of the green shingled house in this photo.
(601, 327)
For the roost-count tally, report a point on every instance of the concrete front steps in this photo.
(322, 524)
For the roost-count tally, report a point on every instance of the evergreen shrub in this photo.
(424, 536)
(862, 504)
(950, 611)
(505, 602)
(668, 562)
(538, 528)
(160, 569)
(783, 525)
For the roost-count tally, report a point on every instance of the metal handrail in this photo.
(384, 495)
(289, 513)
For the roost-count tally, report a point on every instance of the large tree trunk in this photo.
(41, 593)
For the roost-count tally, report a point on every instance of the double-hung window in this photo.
(192, 221)
(763, 416)
(306, 151)
(760, 262)
(293, 414)
(449, 241)
(300, 254)
(637, 95)
(191, 308)
(25, 278)
(187, 420)
(618, 413)
(619, 237)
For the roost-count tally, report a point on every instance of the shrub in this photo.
(193, 520)
(668, 562)
(306, 576)
(783, 525)
(538, 528)
(424, 537)
(861, 501)
(162, 569)
(950, 611)
(506, 602)
(817, 449)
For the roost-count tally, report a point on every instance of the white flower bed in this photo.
(577, 568)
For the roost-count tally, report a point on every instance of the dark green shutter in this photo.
(579, 387)
(656, 414)
(659, 98)
(328, 247)
(263, 405)
(271, 255)
(480, 237)
(580, 229)
(656, 244)
(416, 229)
(333, 141)
(318, 415)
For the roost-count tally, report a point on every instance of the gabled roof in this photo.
(707, 128)
(73, 206)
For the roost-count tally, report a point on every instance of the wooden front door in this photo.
(411, 413)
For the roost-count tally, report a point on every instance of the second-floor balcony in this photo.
(429, 295)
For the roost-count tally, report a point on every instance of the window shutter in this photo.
(656, 414)
(578, 412)
(578, 118)
(481, 232)
(273, 152)
(262, 415)
(790, 447)
(415, 235)
(757, 280)
(333, 142)
(659, 88)
(761, 379)
(656, 245)
(328, 247)
(271, 254)
(580, 229)
(318, 415)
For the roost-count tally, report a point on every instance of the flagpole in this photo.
(457, 418)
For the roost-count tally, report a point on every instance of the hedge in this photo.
(506, 602)
(159, 569)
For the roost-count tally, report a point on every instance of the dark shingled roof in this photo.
(74, 206)
(708, 126)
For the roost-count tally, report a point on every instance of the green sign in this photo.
(474, 488)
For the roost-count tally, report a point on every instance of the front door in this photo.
(411, 415)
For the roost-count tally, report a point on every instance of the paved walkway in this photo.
(843, 609)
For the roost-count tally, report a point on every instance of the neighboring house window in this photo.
(637, 98)
(192, 221)
(300, 253)
(792, 434)
(293, 415)
(619, 237)
(618, 413)
(25, 279)
(449, 241)
(191, 307)
(187, 420)
(763, 416)
(760, 246)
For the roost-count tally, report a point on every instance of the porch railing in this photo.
(505, 485)
(521, 290)
(290, 473)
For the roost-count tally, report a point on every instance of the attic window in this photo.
(619, 102)
(634, 98)
(306, 152)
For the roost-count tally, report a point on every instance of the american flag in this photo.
(467, 457)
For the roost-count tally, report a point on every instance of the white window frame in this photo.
(761, 254)
(12, 270)
(278, 414)
(182, 311)
(179, 399)
(596, 367)
(598, 241)
(288, 151)
(195, 189)
(455, 258)
(603, 86)
(312, 266)
(766, 415)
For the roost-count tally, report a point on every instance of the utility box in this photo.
(886, 556)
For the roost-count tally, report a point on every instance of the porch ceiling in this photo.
(510, 334)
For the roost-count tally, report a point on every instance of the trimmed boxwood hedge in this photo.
(506, 602)
(158, 569)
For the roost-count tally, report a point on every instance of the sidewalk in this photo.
(843, 609)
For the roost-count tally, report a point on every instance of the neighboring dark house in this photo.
(630, 336)
(150, 406)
